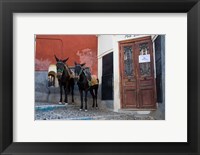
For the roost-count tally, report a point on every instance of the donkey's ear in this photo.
(75, 63)
(82, 64)
(56, 58)
(65, 60)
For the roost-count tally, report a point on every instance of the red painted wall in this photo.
(79, 48)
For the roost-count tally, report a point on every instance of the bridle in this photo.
(80, 72)
(59, 70)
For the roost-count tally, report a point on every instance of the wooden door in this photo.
(128, 76)
(137, 74)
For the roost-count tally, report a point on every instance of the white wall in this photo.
(105, 44)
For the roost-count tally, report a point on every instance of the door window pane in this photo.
(128, 61)
(145, 68)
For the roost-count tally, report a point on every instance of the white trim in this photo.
(154, 37)
(154, 56)
(105, 53)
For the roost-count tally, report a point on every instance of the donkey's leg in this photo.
(86, 100)
(60, 102)
(92, 93)
(96, 91)
(66, 94)
(72, 89)
(81, 93)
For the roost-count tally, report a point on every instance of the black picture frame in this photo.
(8, 7)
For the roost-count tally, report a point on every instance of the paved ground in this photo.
(46, 111)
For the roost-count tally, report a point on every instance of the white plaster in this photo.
(105, 42)
(105, 53)
(52, 68)
(154, 58)
(104, 47)
(99, 76)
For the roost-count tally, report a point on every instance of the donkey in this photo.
(84, 84)
(65, 79)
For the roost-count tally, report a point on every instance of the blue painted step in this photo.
(48, 107)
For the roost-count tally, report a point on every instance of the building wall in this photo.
(79, 48)
(107, 44)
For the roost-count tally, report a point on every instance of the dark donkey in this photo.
(84, 84)
(65, 79)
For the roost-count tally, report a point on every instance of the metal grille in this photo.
(128, 61)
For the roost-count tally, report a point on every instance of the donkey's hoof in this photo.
(80, 109)
(59, 102)
(66, 104)
(85, 110)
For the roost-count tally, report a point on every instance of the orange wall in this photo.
(79, 48)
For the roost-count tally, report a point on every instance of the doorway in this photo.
(107, 77)
(137, 80)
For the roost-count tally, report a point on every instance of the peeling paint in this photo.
(79, 48)
(42, 64)
(89, 57)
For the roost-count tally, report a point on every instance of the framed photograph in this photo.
(87, 72)
(99, 77)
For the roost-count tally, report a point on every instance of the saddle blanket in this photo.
(94, 80)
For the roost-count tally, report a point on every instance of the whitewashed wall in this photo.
(105, 46)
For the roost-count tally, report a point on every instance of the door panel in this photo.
(146, 97)
(146, 80)
(128, 76)
(137, 74)
(130, 98)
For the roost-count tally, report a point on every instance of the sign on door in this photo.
(144, 58)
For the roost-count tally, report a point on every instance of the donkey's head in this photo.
(60, 65)
(78, 69)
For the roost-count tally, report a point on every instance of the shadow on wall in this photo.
(44, 93)
(49, 93)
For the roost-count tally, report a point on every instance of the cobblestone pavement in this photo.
(72, 112)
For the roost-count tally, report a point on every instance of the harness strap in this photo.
(69, 72)
(80, 71)
(89, 81)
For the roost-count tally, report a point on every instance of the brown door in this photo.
(137, 74)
